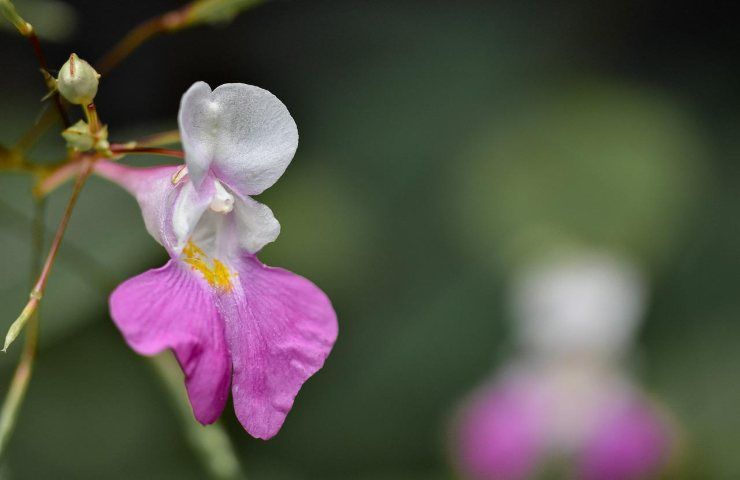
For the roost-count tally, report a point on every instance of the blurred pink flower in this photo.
(230, 320)
(510, 430)
(565, 400)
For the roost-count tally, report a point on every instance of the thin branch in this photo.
(38, 289)
(136, 37)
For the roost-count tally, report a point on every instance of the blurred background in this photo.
(444, 145)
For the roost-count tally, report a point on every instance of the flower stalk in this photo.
(91, 114)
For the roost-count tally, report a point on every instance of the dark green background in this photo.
(398, 105)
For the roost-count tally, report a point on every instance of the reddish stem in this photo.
(41, 58)
(121, 149)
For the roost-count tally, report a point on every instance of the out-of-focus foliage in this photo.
(584, 164)
(329, 235)
(52, 20)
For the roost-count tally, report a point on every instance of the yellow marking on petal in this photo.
(192, 250)
(213, 270)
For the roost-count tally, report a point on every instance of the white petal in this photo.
(587, 303)
(243, 133)
(198, 152)
(256, 225)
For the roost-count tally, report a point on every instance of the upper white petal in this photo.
(243, 133)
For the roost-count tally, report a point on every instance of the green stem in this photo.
(211, 443)
(22, 376)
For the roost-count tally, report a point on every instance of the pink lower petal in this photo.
(280, 328)
(501, 432)
(170, 307)
(631, 443)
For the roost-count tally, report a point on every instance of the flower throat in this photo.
(213, 270)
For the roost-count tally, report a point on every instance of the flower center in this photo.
(223, 201)
(213, 270)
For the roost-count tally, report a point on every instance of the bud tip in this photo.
(78, 81)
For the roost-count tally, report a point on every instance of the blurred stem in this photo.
(211, 443)
(13, 161)
(195, 12)
(22, 376)
(159, 139)
(140, 34)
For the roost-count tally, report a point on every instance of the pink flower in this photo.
(230, 320)
(566, 400)
(513, 428)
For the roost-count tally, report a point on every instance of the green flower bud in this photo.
(79, 137)
(78, 81)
